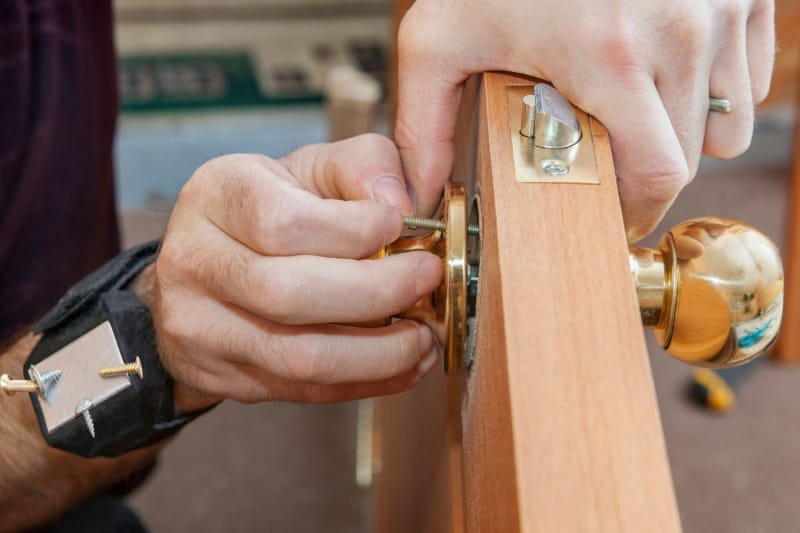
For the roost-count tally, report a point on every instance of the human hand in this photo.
(644, 69)
(265, 267)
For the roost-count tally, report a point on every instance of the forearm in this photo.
(38, 483)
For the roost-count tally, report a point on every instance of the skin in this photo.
(264, 273)
(38, 483)
(645, 69)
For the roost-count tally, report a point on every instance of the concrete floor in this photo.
(290, 468)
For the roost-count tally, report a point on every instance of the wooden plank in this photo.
(788, 349)
(785, 78)
(562, 367)
(557, 428)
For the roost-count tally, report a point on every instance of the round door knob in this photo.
(712, 292)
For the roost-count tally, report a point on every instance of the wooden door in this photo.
(555, 428)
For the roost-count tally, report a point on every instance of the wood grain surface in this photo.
(788, 349)
(559, 427)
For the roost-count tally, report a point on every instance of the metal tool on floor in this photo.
(716, 389)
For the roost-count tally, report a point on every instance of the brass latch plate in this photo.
(532, 163)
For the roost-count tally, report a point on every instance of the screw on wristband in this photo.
(112, 394)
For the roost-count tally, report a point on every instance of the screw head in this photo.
(46, 381)
(554, 167)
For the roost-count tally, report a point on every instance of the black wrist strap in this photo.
(115, 274)
(136, 416)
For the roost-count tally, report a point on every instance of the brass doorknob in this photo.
(712, 291)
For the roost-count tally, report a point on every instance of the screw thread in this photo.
(115, 372)
(122, 370)
(429, 223)
(89, 422)
(11, 386)
(50, 377)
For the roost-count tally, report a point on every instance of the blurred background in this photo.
(201, 78)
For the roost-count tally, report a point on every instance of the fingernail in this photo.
(389, 190)
(428, 362)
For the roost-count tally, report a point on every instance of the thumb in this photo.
(428, 98)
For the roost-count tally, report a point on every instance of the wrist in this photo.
(98, 347)
(186, 399)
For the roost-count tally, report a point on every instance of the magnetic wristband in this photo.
(101, 388)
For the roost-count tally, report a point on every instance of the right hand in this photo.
(645, 69)
(265, 264)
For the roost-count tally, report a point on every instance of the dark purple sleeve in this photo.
(58, 104)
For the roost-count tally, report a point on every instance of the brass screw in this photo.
(429, 223)
(123, 370)
(13, 386)
(42, 384)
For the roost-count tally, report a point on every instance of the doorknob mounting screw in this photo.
(429, 223)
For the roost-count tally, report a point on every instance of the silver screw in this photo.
(472, 275)
(554, 167)
(429, 223)
(46, 381)
(83, 409)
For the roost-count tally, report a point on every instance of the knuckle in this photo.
(221, 270)
(418, 31)
(735, 13)
(374, 143)
(661, 188)
(694, 32)
(279, 288)
(177, 327)
(621, 50)
(405, 133)
(310, 362)
(172, 264)
(276, 220)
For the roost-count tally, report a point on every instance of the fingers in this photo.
(322, 355)
(650, 163)
(728, 135)
(429, 94)
(307, 289)
(254, 386)
(683, 85)
(251, 199)
(252, 273)
(366, 167)
(761, 47)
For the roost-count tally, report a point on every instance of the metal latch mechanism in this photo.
(551, 139)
